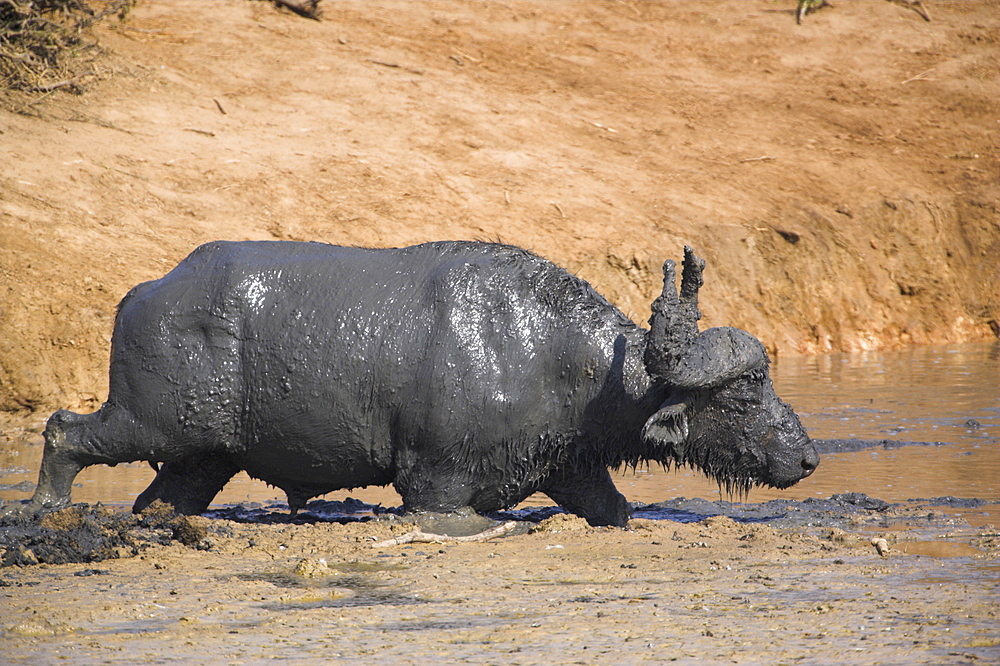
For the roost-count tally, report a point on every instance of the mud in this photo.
(85, 533)
(854, 444)
(689, 581)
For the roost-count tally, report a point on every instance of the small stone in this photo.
(881, 545)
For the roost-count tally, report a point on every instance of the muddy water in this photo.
(948, 395)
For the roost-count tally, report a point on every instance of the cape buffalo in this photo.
(466, 374)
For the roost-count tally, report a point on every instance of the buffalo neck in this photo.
(625, 399)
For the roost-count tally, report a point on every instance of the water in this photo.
(947, 394)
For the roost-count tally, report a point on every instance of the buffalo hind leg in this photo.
(590, 496)
(188, 485)
(62, 460)
(72, 441)
(109, 436)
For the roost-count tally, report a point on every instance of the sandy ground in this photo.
(840, 177)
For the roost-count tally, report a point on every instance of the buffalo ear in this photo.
(668, 426)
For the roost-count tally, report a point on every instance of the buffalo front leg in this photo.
(592, 496)
(188, 485)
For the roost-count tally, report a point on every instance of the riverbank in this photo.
(839, 176)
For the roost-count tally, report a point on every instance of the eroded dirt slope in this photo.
(839, 176)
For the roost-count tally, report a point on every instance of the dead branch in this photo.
(423, 537)
(915, 5)
(48, 87)
(307, 8)
(45, 46)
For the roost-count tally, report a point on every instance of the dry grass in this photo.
(45, 46)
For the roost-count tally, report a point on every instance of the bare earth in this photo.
(841, 178)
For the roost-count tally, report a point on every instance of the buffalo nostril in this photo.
(809, 464)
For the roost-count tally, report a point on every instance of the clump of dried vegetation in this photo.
(45, 45)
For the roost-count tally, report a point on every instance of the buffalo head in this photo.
(722, 415)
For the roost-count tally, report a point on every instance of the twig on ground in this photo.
(49, 87)
(78, 116)
(919, 76)
(393, 65)
(466, 55)
(424, 537)
(603, 127)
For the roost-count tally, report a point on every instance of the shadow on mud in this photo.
(837, 511)
(349, 510)
(347, 590)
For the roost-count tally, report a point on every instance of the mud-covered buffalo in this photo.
(465, 374)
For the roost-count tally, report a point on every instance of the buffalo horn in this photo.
(677, 353)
